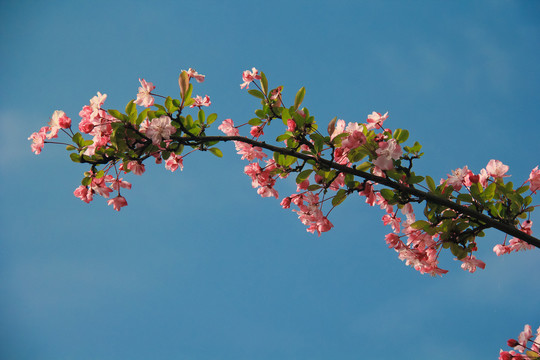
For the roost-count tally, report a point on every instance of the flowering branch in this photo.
(363, 158)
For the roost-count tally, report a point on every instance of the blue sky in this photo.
(198, 266)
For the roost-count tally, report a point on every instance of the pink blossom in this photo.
(160, 129)
(136, 167)
(500, 249)
(457, 178)
(286, 203)
(38, 140)
(534, 180)
(291, 125)
(387, 152)
(144, 97)
(116, 184)
(256, 131)
(392, 240)
(117, 202)
(523, 338)
(227, 127)
(470, 263)
(59, 120)
(193, 74)
(248, 77)
(83, 193)
(393, 221)
(199, 101)
(375, 120)
(174, 162)
(249, 152)
(496, 169)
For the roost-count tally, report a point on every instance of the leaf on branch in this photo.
(299, 97)
(340, 197)
(256, 93)
(216, 152)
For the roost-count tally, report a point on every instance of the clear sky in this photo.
(198, 266)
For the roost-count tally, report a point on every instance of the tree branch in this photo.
(427, 196)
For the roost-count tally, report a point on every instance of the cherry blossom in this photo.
(117, 202)
(136, 167)
(83, 193)
(496, 169)
(375, 120)
(386, 153)
(174, 162)
(38, 139)
(160, 129)
(457, 178)
(144, 97)
(227, 127)
(534, 180)
(249, 77)
(470, 263)
(193, 74)
(199, 101)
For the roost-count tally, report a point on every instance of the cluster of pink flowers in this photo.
(97, 122)
(249, 77)
(522, 351)
(59, 120)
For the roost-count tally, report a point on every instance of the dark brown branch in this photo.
(429, 197)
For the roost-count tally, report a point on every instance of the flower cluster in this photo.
(364, 158)
(522, 349)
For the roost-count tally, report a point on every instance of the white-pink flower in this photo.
(534, 179)
(387, 152)
(59, 120)
(375, 120)
(117, 202)
(199, 101)
(249, 77)
(470, 263)
(457, 178)
(174, 162)
(160, 129)
(193, 74)
(38, 140)
(227, 127)
(144, 98)
(496, 169)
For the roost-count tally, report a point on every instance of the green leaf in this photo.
(201, 116)
(131, 108)
(169, 105)
(364, 166)
(78, 139)
(142, 115)
(299, 97)
(86, 181)
(216, 152)
(256, 93)
(70, 147)
(255, 121)
(415, 179)
(318, 142)
(420, 225)
(264, 83)
(489, 192)
(314, 187)
(211, 118)
(403, 136)
(117, 114)
(285, 115)
(303, 175)
(430, 183)
(75, 157)
(283, 137)
(387, 194)
(340, 197)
